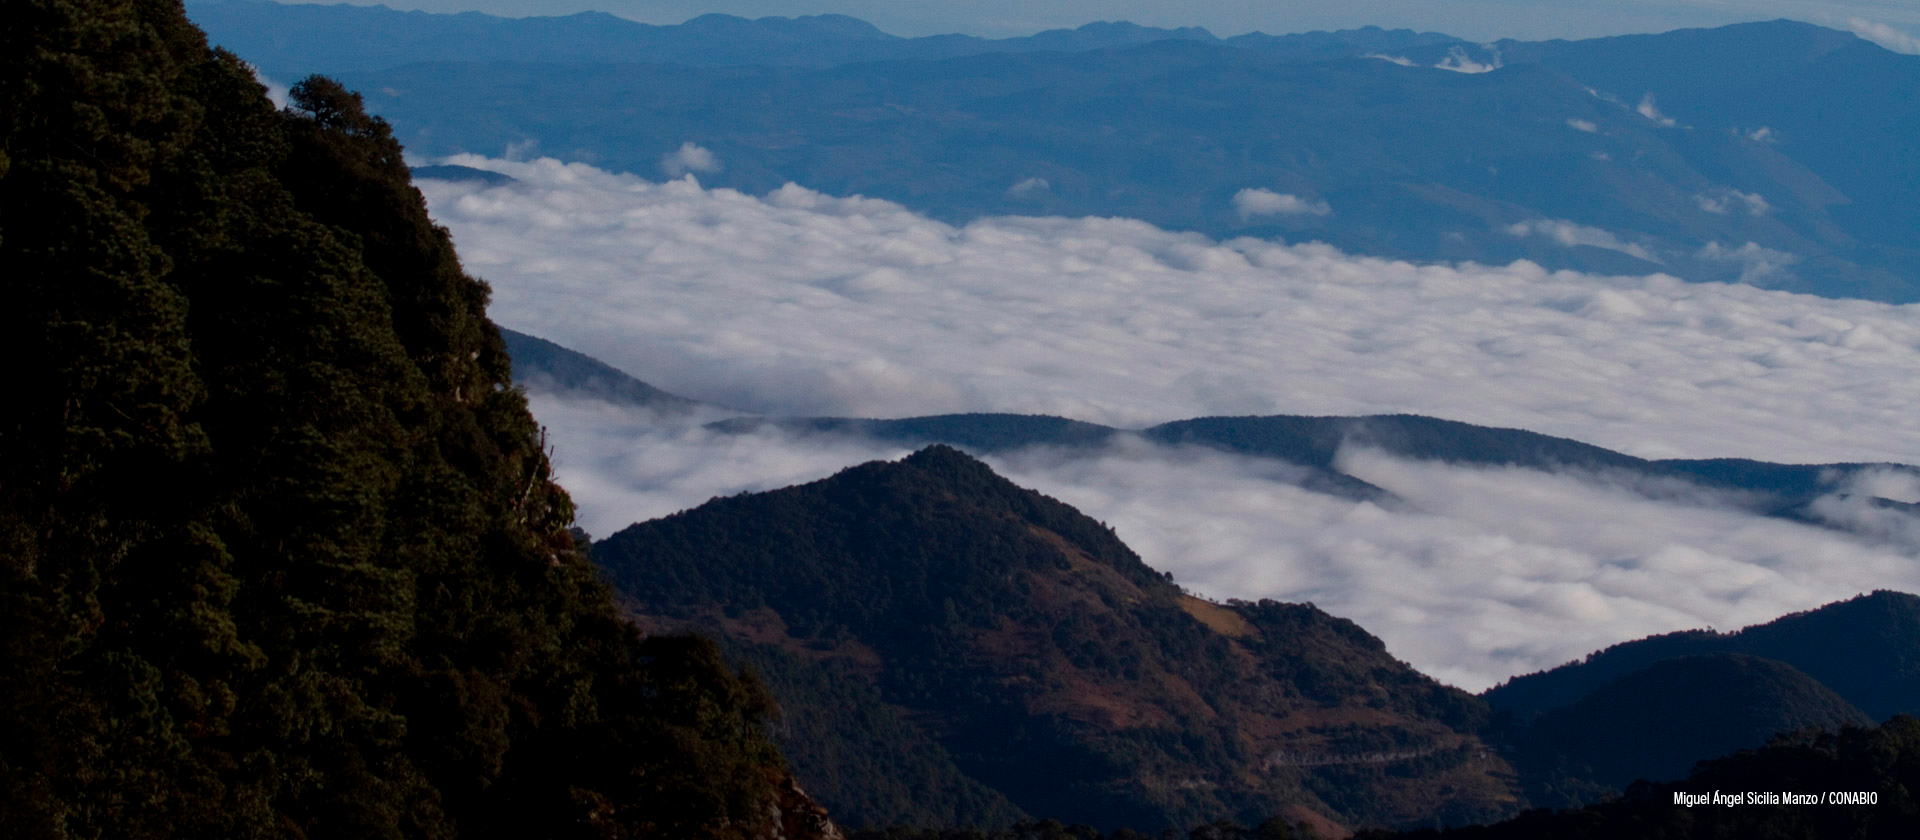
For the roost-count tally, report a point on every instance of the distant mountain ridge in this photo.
(292, 40)
(1771, 153)
(811, 594)
(1814, 96)
(542, 366)
(450, 172)
(1782, 490)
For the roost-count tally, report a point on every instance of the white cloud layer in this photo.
(1648, 110)
(802, 303)
(1757, 264)
(688, 158)
(276, 90)
(1754, 204)
(1264, 202)
(1458, 61)
(1570, 234)
(624, 465)
(1478, 575)
(1587, 126)
(1029, 186)
(1897, 485)
(1488, 573)
(1884, 35)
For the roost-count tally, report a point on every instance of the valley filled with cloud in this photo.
(799, 303)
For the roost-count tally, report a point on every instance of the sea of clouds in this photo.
(804, 304)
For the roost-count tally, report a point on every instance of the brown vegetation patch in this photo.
(1087, 568)
(760, 626)
(1220, 619)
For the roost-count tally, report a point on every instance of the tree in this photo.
(282, 553)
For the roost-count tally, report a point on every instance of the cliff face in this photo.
(279, 550)
(989, 645)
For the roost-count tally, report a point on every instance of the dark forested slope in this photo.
(279, 552)
(1858, 783)
(1049, 664)
(1650, 708)
(542, 366)
(1656, 723)
(1867, 649)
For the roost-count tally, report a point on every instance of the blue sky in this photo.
(1480, 19)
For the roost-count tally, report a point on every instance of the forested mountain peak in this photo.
(1036, 656)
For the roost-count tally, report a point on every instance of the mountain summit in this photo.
(1045, 662)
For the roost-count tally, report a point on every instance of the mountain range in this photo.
(1785, 490)
(893, 606)
(1768, 153)
(1790, 491)
(284, 557)
(959, 651)
(291, 40)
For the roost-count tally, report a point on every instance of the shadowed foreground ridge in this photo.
(1836, 769)
(1867, 649)
(280, 555)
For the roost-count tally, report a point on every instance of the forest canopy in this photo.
(281, 551)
